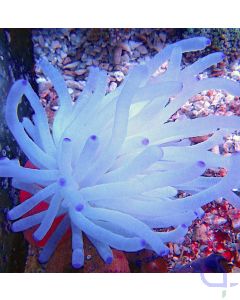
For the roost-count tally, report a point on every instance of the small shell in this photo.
(71, 65)
(142, 49)
(74, 85)
(80, 72)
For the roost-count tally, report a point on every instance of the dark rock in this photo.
(16, 61)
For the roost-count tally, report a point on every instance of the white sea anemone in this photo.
(113, 164)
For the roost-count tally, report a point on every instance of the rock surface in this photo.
(16, 61)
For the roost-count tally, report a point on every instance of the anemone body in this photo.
(112, 164)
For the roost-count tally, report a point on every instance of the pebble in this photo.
(89, 62)
(236, 138)
(219, 221)
(176, 249)
(74, 85)
(142, 50)
(71, 91)
(63, 55)
(200, 233)
(80, 72)
(112, 86)
(228, 147)
(125, 58)
(41, 80)
(163, 36)
(199, 139)
(203, 248)
(133, 45)
(119, 76)
(136, 54)
(216, 149)
(55, 45)
(104, 66)
(235, 75)
(66, 60)
(69, 73)
(73, 38)
(117, 55)
(84, 57)
(67, 76)
(236, 224)
(43, 86)
(234, 215)
(229, 113)
(41, 41)
(54, 107)
(237, 146)
(72, 65)
(158, 46)
(229, 98)
(125, 46)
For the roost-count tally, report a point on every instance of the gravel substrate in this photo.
(73, 51)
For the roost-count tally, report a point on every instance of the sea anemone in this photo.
(112, 164)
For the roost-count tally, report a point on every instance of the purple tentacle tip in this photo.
(223, 55)
(93, 137)
(184, 226)
(109, 260)
(24, 82)
(164, 252)
(79, 207)
(143, 243)
(145, 141)
(62, 181)
(208, 42)
(13, 227)
(77, 266)
(201, 164)
(35, 237)
(9, 216)
(196, 213)
(167, 251)
(161, 253)
(67, 139)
